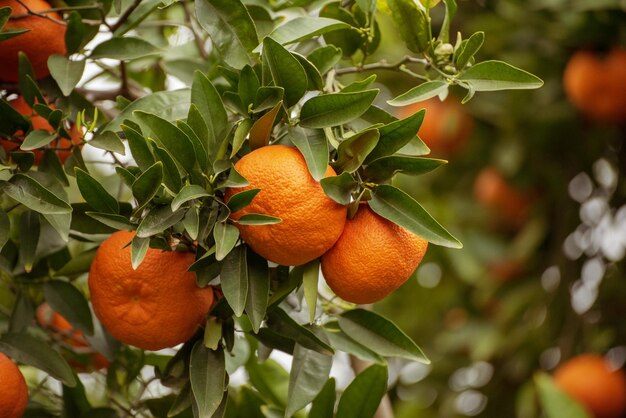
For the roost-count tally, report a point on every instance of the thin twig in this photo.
(196, 35)
(33, 13)
(124, 17)
(382, 65)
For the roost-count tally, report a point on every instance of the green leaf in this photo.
(258, 289)
(305, 27)
(65, 72)
(286, 71)
(339, 188)
(420, 93)
(123, 49)
(353, 151)
(11, 33)
(258, 219)
(270, 379)
(247, 86)
(385, 168)
(51, 165)
(169, 105)
(5, 13)
(242, 199)
(382, 336)
(241, 132)
(468, 49)
(199, 146)
(231, 29)
(187, 193)
(359, 85)
(362, 397)
(138, 15)
(226, 236)
(325, 58)
(174, 140)
(323, 405)
(309, 373)
(108, 141)
(5, 228)
(280, 321)
(555, 402)
(207, 373)
(234, 279)
(37, 139)
(314, 78)
(396, 135)
(444, 33)
(147, 184)
(210, 106)
(261, 131)
(22, 313)
(310, 278)
(412, 23)
(267, 97)
(158, 220)
(171, 173)
(340, 341)
(33, 195)
(368, 6)
(397, 206)
(75, 32)
(95, 194)
(10, 119)
(138, 249)
(34, 352)
(68, 301)
(498, 75)
(77, 265)
(335, 109)
(138, 147)
(30, 229)
(348, 40)
(118, 222)
(314, 148)
(191, 222)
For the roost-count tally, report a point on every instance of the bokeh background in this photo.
(541, 279)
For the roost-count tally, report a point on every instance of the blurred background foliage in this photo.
(535, 285)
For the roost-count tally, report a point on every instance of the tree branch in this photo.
(383, 65)
(124, 17)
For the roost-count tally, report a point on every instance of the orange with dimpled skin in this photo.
(14, 393)
(156, 306)
(372, 258)
(311, 221)
(45, 37)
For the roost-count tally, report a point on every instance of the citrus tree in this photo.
(185, 170)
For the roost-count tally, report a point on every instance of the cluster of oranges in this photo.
(363, 259)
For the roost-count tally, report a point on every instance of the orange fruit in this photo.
(596, 84)
(40, 122)
(589, 379)
(46, 37)
(311, 221)
(87, 358)
(446, 126)
(494, 192)
(14, 393)
(158, 305)
(372, 258)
